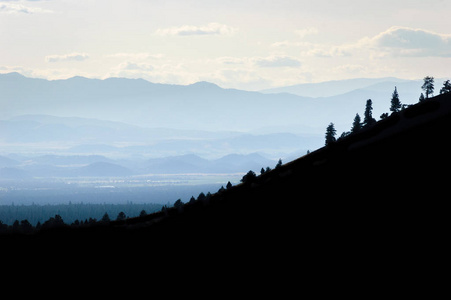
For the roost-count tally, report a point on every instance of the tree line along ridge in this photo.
(395, 107)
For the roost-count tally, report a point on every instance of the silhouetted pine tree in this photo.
(121, 216)
(330, 134)
(395, 103)
(249, 177)
(178, 203)
(201, 197)
(368, 119)
(428, 86)
(105, 218)
(446, 87)
(357, 124)
(421, 99)
(25, 226)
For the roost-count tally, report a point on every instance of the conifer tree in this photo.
(446, 87)
(368, 119)
(179, 203)
(105, 218)
(249, 177)
(121, 216)
(201, 197)
(395, 103)
(428, 86)
(330, 134)
(357, 124)
(421, 99)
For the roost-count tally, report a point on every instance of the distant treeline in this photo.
(395, 107)
(35, 214)
(28, 219)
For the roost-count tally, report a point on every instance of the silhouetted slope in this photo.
(379, 192)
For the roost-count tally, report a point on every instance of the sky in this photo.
(244, 44)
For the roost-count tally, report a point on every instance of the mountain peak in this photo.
(204, 84)
(78, 78)
(12, 75)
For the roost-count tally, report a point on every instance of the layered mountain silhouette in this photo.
(200, 105)
(53, 166)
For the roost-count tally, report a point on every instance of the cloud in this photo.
(12, 8)
(185, 30)
(404, 41)
(395, 41)
(277, 62)
(67, 57)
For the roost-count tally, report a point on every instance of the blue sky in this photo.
(244, 44)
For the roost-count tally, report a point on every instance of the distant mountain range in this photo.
(135, 120)
(203, 105)
(332, 88)
(42, 134)
(98, 166)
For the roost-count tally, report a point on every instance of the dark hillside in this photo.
(380, 193)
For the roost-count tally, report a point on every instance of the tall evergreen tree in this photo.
(357, 124)
(249, 177)
(105, 218)
(446, 87)
(428, 86)
(330, 134)
(121, 216)
(368, 119)
(395, 103)
(201, 197)
(421, 99)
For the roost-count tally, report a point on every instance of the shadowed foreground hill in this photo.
(379, 193)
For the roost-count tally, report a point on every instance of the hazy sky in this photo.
(245, 44)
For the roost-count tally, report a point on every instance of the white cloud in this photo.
(210, 29)
(404, 41)
(12, 8)
(395, 41)
(67, 57)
